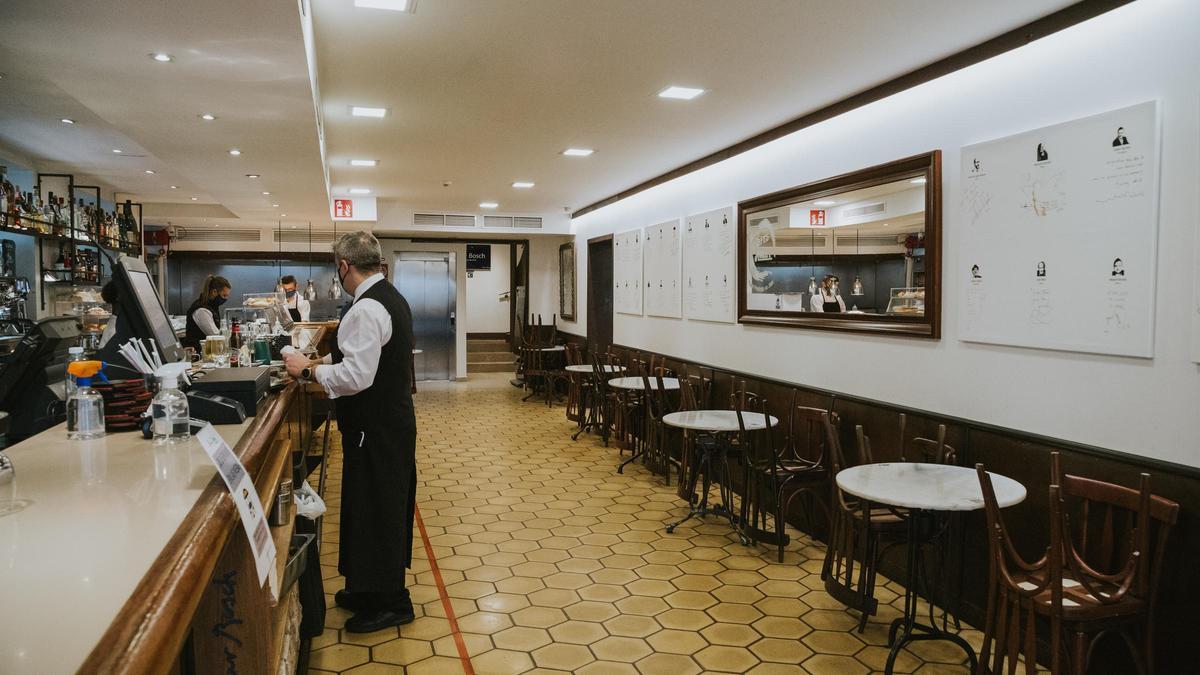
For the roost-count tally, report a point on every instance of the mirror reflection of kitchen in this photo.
(857, 252)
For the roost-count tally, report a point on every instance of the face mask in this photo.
(218, 301)
(291, 294)
(833, 289)
(342, 277)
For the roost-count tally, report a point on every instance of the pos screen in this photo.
(150, 320)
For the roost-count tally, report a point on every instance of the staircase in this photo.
(490, 356)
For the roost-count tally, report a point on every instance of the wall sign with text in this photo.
(479, 257)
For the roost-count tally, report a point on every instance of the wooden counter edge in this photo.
(148, 632)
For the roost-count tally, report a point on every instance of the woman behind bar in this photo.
(202, 315)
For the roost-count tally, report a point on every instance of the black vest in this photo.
(193, 336)
(388, 401)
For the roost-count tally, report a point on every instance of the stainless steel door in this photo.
(426, 280)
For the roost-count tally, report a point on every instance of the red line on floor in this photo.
(446, 605)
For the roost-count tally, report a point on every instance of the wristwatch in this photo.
(306, 373)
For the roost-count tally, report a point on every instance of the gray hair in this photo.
(360, 249)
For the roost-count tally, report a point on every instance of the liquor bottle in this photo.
(64, 215)
(130, 229)
(5, 191)
(235, 344)
(61, 262)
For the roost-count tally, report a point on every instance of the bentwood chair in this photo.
(797, 468)
(576, 384)
(1098, 577)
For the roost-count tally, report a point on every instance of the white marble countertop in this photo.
(636, 383)
(717, 420)
(935, 487)
(588, 368)
(80, 525)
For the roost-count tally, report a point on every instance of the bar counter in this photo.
(115, 553)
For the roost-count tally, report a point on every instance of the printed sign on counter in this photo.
(249, 505)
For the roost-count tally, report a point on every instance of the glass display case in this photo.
(909, 301)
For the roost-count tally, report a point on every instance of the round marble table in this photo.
(555, 348)
(715, 421)
(636, 383)
(925, 490)
(588, 369)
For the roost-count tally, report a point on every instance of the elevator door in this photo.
(426, 280)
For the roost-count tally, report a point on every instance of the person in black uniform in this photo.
(202, 316)
(369, 377)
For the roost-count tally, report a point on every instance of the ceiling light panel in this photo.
(162, 57)
(577, 152)
(363, 162)
(235, 152)
(364, 111)
(680, 93)
(67, 120)
(359, 191)
(208, 117)
(523, 184)
(406, 6)
(488, 205)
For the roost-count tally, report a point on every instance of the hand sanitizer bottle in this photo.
(169, 410)
(85, 408)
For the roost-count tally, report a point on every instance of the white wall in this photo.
(393, 246)
(543, 277)
(486, 312)
(1146, 50)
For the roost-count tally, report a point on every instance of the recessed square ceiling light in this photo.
(67, 120)
(174, 187)
(150, 171)
(824, 202)
(577, 152)
(681, 93)
(265, 193)
(363, 162)
(363, 111)
(235, 152)
(919, 181)
(195, 199)
(274, 206)
(116, 151)
(208, 117)
(523, 184)
(488, 205)
(359, 191)
(407, 6)
(253, 175)
(162, 57)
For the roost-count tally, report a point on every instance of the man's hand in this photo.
(295, 362)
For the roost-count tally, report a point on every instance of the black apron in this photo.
(830, 306)
(295, 313)
(379, 472)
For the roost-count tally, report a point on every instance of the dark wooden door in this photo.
(600, 292)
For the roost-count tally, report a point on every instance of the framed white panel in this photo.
(627, 272)
(709, 272)
(1059, 232)
(661, 270)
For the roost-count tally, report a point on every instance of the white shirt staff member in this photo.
(827, 298)
(297, 306)
(369, 377)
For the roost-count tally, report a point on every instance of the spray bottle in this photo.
(169, 410)
(85, 407)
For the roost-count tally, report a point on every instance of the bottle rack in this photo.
(85, 249)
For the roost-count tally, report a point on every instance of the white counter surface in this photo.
(79, 527)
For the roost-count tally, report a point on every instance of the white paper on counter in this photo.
(249, 505)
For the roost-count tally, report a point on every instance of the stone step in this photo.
(473, 367)
(491, 357)
(487, 346)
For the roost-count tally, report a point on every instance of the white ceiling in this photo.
(484, 93)
(242, 61)
(480, 92)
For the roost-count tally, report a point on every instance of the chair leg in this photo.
(1078, 652)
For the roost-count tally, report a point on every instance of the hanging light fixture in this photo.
(857, 287)
(335, 286)
(812, 253)
(310, 289)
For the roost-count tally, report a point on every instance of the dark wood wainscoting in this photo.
(1024, 457)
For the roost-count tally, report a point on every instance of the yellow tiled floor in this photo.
(554, 563)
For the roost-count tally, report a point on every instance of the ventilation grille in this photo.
(443, 219)
(291, 236)
(216, 234)
(868, 240)
(527, 221)
(786, 238)
(497, 221)
(865, 210)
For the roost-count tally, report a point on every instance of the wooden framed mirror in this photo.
(858, 252)
(566, 281)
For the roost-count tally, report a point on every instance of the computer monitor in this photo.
(32, 377)
(142, 308)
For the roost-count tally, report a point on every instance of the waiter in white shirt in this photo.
(297, 306)
(369, 377)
